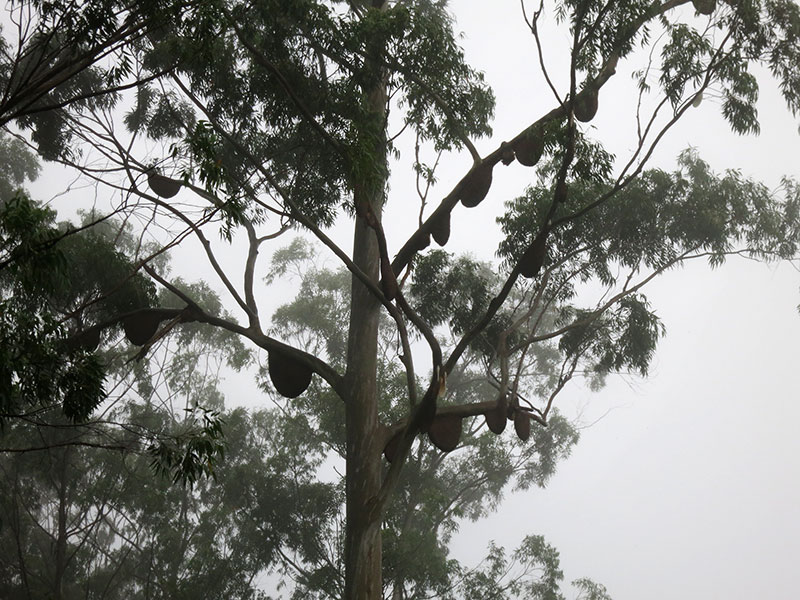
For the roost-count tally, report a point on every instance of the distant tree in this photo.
(78, 522)
(285, 114)
(19, 165)
(589, 590)
(130, 535)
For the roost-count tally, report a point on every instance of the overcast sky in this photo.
(690, 486)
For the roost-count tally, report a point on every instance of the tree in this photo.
(89, 524)
(123, 534)
(35, 366)
(286, 114)
(60, 54)
(438, 489)
(78, 522)
(65, 287)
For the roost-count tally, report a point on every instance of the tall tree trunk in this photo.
(363, 536)
(363, 529)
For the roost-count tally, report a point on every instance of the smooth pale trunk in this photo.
(363, 537)
(363, 555)
(363, 580)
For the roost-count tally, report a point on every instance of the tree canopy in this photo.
(248, 121)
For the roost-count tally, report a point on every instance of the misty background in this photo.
(683, 485)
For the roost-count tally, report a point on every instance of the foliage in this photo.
(60, 284)
(425, 512)
(98, 524)
(123, 533)
(34, 366)
(58, 55)
(258, 118)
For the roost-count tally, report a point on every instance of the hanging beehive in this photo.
(477, 185)
(533, 258)
(440, 228)
(496, 417)
(141, 327)
(163, 186)
(585, 106)
(704, 7)
(530, 147)
(88, 339)
(522, 425)
(290, 377)
(445, 432)
(506, 153)
(427, 412)
(422, 243)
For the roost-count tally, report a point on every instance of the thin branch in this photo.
(533, 24)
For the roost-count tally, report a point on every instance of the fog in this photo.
(685, 484)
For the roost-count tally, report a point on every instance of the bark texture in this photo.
(363, 578)
(363, 538)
